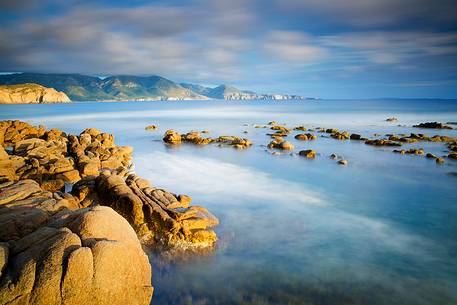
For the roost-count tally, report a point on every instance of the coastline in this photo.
(57, 187)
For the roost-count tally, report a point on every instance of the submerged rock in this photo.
(435, 125)
(392, 119)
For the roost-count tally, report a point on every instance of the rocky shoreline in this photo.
(74, 217)
(278, 145)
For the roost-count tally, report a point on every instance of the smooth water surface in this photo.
(382, 230)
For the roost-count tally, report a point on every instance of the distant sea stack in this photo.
(134, 88)
(31, 94)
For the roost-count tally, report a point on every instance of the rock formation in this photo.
(194, 137)
(31, 94)
(433, 125)
(79, 246)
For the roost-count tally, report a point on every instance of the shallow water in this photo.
(381, 230)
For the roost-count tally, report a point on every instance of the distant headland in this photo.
(80, 87)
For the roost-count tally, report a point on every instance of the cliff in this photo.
(31, 94)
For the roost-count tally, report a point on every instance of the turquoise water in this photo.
(382, 230)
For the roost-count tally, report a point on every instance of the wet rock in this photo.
(236, 142)
(151, 127)
(439, 161)
(343, 162)
(411, 151)
(333, 156)
(172, 137)
(280, 128)
(280, 144)
(430, 156)
(382, 142)
(392, 119)
(331, 130)
(438, 138)
(310, 154)
(452, 155)
(340, 135)
(435, 125)
(355, 136)
(305, 137)
(301, 128)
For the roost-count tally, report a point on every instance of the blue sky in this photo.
(327, 49)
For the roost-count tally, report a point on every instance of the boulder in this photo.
(355, 136)
(310, 154)
(439, 161)
(71, 176)
(78, 257)
(18, 191)
(172, 137)
(279, 143)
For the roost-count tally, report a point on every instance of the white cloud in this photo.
(293, 46)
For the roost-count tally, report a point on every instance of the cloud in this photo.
(375, 12)
(391, 47)
(293, 46)
(265, 46)
(179, 40)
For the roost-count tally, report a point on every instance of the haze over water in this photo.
(381, 230)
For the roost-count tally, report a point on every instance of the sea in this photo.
(380, 230)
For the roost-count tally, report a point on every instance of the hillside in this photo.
(226, 92)
(31, 94)
(127, 87)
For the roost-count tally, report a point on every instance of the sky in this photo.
(315, 48)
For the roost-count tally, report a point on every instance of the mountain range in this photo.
(127, 87)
